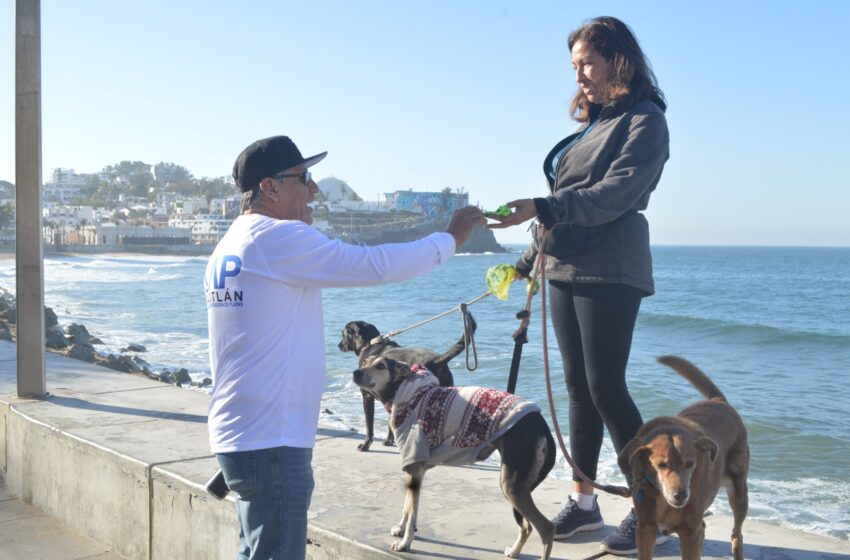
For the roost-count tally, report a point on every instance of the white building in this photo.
(189, 206)
(64, 184)
(206, 229)
(69, 216)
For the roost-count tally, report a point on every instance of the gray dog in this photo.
(365, 341)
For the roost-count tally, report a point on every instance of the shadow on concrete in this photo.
(456, 546)
(71, 402)
(334, 433)
(721, 549)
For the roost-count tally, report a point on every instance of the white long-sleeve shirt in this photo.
(266, 332)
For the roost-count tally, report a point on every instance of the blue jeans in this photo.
(273, 489)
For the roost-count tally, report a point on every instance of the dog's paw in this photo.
(401, 545)
(365, 445)
(389, 442)
(397, 531)
(511, 553)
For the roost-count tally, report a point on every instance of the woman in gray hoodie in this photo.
(598, 264)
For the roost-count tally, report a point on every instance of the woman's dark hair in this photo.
(631, 78)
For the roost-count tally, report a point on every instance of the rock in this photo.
(78, 333)
(206, 382)
(182, 377)
(166, 376)
(482, 241)
(140, 363)
(117, 363)
(82, 351)
(55, 338)
(50, 319)
(121, 362)
(327, 411)
(132, 347)
(10, 314)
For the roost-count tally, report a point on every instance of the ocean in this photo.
(770, 325)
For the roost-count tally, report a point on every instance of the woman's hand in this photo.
(524, 210)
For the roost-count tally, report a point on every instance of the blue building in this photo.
(427, 203)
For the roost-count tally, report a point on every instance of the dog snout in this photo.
(680, 498)
(358, 376)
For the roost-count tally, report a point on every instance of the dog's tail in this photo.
(694, 375)
(456, 349)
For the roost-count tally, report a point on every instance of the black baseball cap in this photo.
(268, 157)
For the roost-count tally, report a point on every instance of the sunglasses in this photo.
(306, 177)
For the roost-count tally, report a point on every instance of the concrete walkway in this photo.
(122, 460)
(28, 534)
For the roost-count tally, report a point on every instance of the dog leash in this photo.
(468, 338)
(468, 331)
(541, 270)
(520, 337)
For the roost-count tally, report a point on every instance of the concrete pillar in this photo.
(29, 258)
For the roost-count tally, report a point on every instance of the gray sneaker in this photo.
(573, 519)
(623, 540)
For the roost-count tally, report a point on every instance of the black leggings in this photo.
(594, 324)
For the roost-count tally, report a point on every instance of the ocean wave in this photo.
(115, 262)
(55, 278)
(751, 333)
(812, 505)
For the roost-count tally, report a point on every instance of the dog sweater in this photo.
(451, 425)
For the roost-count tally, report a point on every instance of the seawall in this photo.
(123, 459)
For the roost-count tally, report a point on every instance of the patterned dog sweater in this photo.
(451, 425)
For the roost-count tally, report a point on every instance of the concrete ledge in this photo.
(123, 460)
(90, 489)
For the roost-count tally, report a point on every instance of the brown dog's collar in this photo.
(638, 492)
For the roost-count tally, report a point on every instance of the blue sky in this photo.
(471, 94)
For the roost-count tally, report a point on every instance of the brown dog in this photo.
(678, 463)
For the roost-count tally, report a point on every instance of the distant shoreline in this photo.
(83, 250)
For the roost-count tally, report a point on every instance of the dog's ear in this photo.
(631, 455)
(367, 331)
(625, 455)
(707, 444)
(398, 370)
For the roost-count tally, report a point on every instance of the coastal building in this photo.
(131, 236)
(228, 206)
(64, 185)
(172, 218)
(425, 202)
(189, 206)
(69, 216)
(205, 229)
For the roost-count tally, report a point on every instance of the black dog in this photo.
(365, 341)
(519, 432)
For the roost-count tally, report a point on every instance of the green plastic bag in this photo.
(502, 211)
(499, 279)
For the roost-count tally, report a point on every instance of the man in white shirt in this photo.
(264, 306)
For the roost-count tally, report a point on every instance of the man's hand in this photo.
(464, 222)
(524, 210)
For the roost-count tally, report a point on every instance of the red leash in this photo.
(541, 270)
